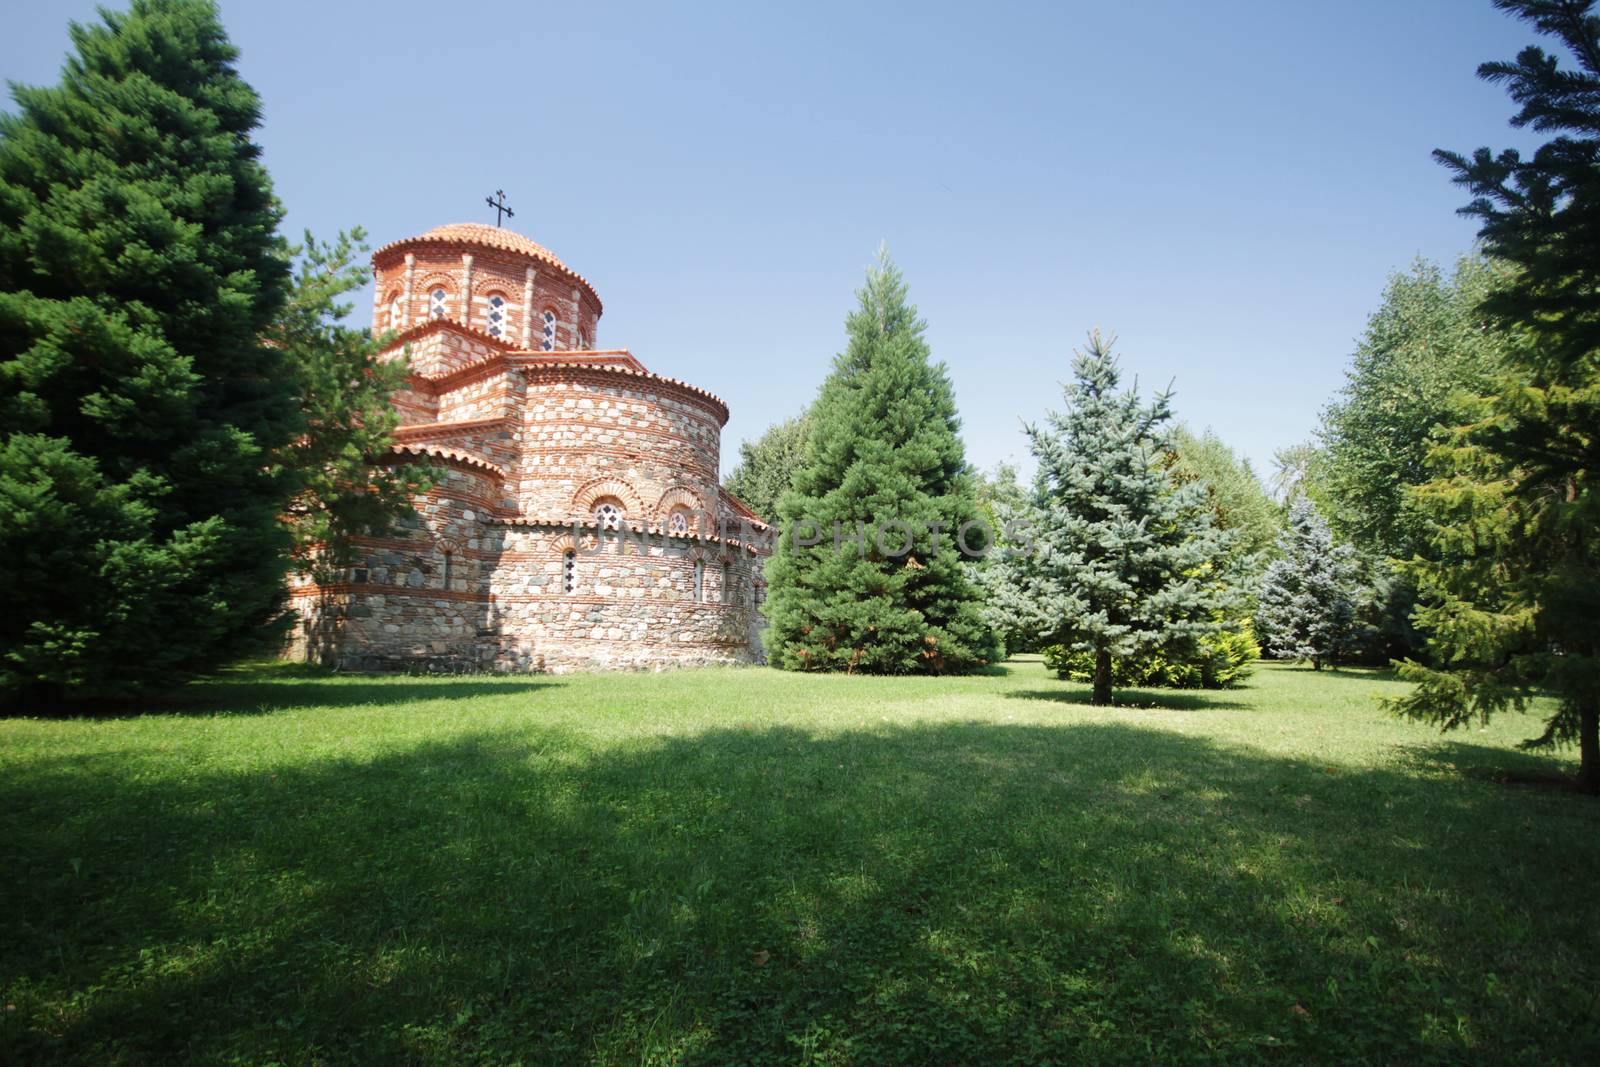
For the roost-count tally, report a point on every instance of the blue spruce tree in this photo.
(1121, 562)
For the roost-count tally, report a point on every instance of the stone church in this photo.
(578, 520)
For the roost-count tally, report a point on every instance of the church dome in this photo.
(447, 240)
(479, 233)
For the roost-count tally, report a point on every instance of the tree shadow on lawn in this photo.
(1136, 699)
(921, 893)
(264, 690)
(1344, 672)
(1490, 763)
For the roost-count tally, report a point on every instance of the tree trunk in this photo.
(1102, 678)
(1589, 749)
(1316, 663)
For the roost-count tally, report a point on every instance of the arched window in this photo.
(678, 522)
(608, 514)
(549, 330)
(437, 303)
(394, 313)
(699, 581)
(449, 569)
(497, 315)
(727, 584)
(569, 571)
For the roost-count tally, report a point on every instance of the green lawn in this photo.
(742, 866)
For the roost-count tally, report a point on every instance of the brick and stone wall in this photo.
(503, 564)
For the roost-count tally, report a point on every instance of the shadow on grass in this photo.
(267, 688)
(1134, 699)
(1344, 672)
(1489, 763)
(934, 893)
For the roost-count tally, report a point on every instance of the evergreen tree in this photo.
(1002, 506)
(1511, 586)
(345, 394)
(884, 495)
(1122, 562)
(140, 270)
(1308, 595)
(768, 464)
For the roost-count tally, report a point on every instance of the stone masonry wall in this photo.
(501, 565)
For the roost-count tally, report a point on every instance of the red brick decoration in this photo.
(502, 565)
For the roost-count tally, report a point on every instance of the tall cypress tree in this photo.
(1122, 562)
(884, 495)
(139, 271)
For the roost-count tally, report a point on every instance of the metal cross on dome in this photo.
(498, 202)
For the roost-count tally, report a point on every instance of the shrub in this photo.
(1223, 659)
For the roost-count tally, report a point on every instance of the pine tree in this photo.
(1307, 600)
(1510, 586)
(140, 270)
(345, 394)
(1122, 562)
(883, 496)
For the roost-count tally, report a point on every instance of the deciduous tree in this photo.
(768, 464)
(344, 484)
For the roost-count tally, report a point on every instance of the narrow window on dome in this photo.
(436, 303)
(394, 314)
(727, 584)
(678, 524)
(569, 571)
(549, 331)
(607, 515)
(699, 581)
(497, 315)
(449, 569)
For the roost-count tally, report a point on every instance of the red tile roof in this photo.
(452, 455)
(486, 236)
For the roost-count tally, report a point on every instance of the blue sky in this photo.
(1224, 185)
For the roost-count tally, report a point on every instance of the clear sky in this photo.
(1225, 185)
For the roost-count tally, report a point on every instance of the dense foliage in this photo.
(1511, 590)
(345, 395)
(1235, 495)
(140, 271)
(767, 465)
(883, 496)
(1122, 562)
(1307, 601)
(1427, 343)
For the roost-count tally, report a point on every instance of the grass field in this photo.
(745, 866)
